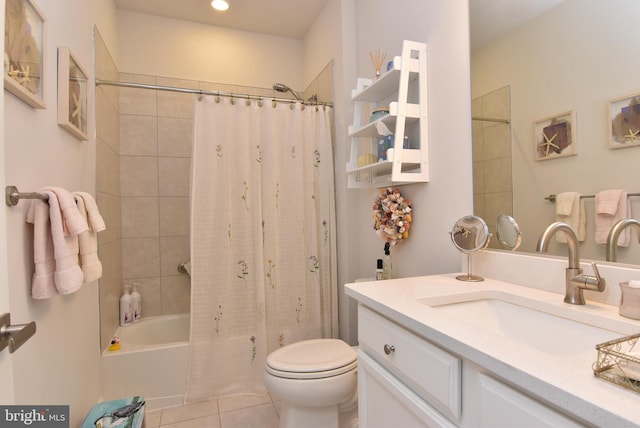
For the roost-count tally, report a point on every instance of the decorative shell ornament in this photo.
(392, 216)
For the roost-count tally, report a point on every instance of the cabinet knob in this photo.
(388, 349)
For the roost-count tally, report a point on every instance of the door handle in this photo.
(14, 335)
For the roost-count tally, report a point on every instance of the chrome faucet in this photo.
(576, 282)
(614, 234)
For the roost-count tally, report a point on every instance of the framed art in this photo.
(555, 136)
(24, 42)
(72, 94)
(624, 122)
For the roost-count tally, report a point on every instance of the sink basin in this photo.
(549, 328)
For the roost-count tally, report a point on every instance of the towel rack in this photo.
(12, 196)
(552, 197)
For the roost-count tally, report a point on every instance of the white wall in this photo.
(575, 57)
(172, 48)
(60, 364)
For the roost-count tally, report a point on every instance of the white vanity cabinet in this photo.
(403, 90)
(406, 381)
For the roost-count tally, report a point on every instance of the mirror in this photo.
(470, 235)
(571, 58)
(508, 232)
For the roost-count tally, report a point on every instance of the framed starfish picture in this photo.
(624, 122)
(72, 94)
(555, 136)
(24, 41)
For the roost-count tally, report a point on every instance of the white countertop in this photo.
(566, 381)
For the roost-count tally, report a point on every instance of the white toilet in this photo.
(316, 381)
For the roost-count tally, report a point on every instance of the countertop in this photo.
(567, 381)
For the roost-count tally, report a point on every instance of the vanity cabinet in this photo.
(407, 381)
(403, 90)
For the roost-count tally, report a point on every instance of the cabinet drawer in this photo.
(435, 375)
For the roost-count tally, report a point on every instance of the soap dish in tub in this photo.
(619, 362)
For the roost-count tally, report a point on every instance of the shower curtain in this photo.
(262, 239)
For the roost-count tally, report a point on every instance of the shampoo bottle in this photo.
(126, 313)
(136, 302)
(386, 262)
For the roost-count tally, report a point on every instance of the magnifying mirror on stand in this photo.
(470, 235)
(508, 232)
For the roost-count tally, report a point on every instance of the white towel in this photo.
(611, 207)
(42, 283)
(68, 276)
(570, 210)
(88, 243)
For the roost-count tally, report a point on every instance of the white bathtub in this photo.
(152, 361)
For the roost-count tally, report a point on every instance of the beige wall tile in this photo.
(140, 217)
(175, 137)
(136, 100)
(497, 175)
(138, 135)
(138, 176)
(175, 216)
(173, 251)
(150, 295)
(109, 206)
(497, 141)
(174, 176)
(175, 294)
(140, 258)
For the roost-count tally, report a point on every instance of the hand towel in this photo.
(42, 282)
(88, 242)
(68, 276)
(570, 210)
(611, 207)
(95, 220)
(73, 222)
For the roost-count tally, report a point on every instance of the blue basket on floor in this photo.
(123, 413)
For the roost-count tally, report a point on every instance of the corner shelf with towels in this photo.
(404, 89)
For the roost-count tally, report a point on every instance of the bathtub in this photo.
(152, 361)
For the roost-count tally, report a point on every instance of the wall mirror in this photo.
(470, 235)
(568, 55)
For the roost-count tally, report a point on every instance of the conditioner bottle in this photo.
(126, 312)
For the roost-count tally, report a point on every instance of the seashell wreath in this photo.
(392, 216)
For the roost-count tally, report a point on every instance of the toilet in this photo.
(316, 382)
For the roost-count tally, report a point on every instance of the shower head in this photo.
(281, 87)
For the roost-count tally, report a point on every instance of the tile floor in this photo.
(246, 411)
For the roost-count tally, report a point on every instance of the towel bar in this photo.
(12, 196)
(552, 197)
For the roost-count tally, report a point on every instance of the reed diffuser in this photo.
(377, 59)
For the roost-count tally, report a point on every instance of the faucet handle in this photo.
(595, 283)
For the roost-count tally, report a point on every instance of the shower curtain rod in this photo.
(489, 119)
(205, 92)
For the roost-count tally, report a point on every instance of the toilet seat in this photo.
(312, 359)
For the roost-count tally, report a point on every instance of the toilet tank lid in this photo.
(312, 356)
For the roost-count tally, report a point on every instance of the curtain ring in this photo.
(274, 103)
(260, 103)
(292, 105)
(233, 100)
(217, 99)
(248, 102)
(302, 106)
(200, 97)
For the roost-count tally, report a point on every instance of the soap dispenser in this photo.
(386, 262)
(136, 302)
(126, 312)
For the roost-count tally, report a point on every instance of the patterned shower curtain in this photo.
(262, 239)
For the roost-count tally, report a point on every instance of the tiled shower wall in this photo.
(108, 191)
(492, 174)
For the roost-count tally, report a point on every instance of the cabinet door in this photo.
(384, 401)
(503, 406)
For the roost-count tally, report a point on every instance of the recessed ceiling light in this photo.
(220, 5)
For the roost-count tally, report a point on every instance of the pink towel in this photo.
(68, 276)
(95, 220)
(73, 222)
(88, 242)
(570, 210)
(611, 207)
(42, 282)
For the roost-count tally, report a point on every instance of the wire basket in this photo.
(619, 362)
